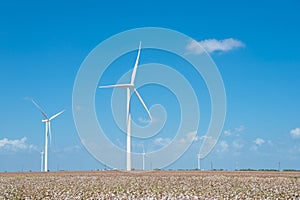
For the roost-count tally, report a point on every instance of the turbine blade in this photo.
(143, 103)
(124, 86)
(57, 114)
(135, 65)
(40, 109)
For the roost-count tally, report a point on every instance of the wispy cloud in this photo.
(224, 146)
(16, 145)
(190, 137)
(295, 133)
(213, 45)
(240, 128)
(187, 138)
(227, 132)
(259, 141)
(162, 141)
(26, 98)
(67, 149)
(236, 131)
(237, 144)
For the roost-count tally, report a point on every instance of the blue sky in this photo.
(42, 45)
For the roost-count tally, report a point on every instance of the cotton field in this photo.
(150, 185)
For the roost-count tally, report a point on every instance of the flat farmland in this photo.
(150, 185)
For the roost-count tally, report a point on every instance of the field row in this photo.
(150, 185)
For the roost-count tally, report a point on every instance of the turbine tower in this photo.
(130, 87)
(199, 157)
(47, 131)
(143, 158)
(42, 161)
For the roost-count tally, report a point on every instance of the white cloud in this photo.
(295, 133)
(16, 145)
(259, 141)
(209, 140)
(186, 139)
(162, 141)
(67, 149)
(189, 138)
(26, 98)
(227, 132)
(213, 45)
(192, 136)
(224, 146)
(235, 131)
(270, 143)
(237, 144)
(239, 129)
(254, 148)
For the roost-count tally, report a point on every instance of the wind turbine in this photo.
(130, 87)
(47, 131)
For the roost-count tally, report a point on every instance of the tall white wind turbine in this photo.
(47, 120)
(130, 87)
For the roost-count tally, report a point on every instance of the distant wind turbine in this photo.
(47, 131)
(129, 87)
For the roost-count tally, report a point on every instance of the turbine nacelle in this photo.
(54, 116)
(44, 114)
(131, 84)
